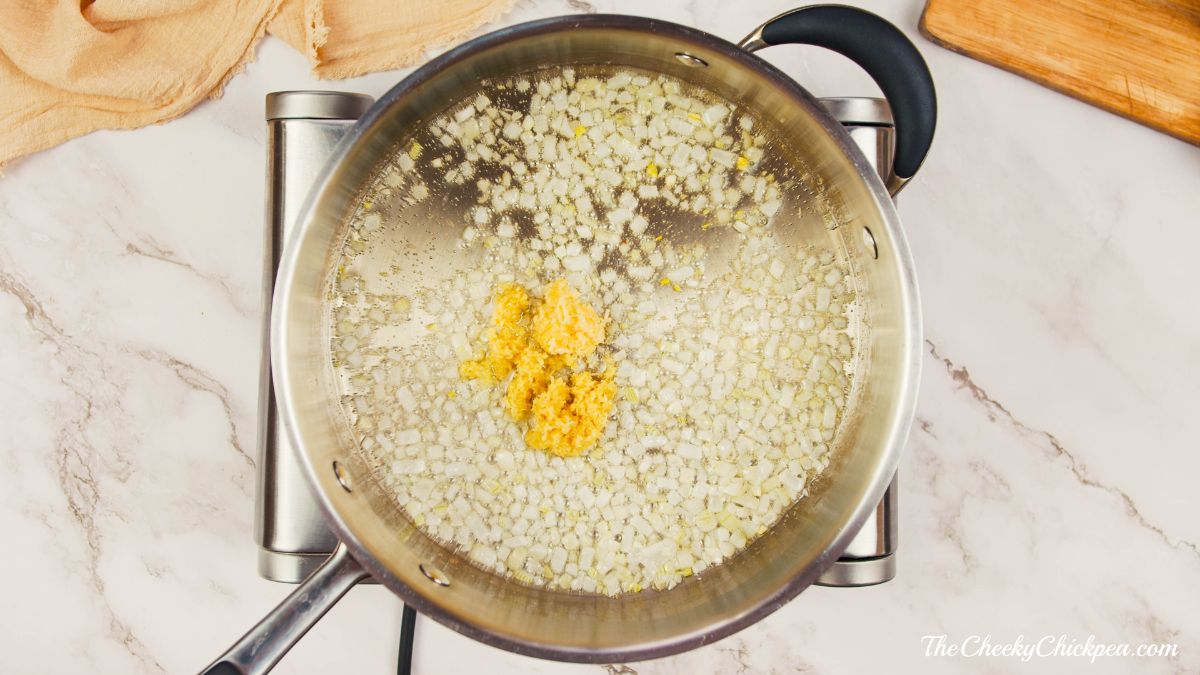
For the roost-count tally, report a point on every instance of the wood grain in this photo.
(1137, 58)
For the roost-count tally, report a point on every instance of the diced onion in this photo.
(732, 381)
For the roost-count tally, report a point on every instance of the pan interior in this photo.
(830, 205)
(428, 245)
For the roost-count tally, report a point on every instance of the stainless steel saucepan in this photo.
(845, 204)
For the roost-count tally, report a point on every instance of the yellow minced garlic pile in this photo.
(568, 411)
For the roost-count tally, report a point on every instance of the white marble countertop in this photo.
(1048, 487)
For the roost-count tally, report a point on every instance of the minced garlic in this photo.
(564, 324)
(506, 338)
(568, 411)
(568, 421)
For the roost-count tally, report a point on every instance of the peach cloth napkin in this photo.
(70, 67)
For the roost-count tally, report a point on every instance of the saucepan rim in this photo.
(908, 363)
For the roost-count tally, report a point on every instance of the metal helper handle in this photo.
(261, 648)
(885, 53)
(894, 134)
(303, 128)
(870, 558)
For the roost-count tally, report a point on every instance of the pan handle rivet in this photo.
(343, 477)
(690, 61)
(434, 574)
(869, 241)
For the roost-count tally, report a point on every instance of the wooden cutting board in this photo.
(1137, 58)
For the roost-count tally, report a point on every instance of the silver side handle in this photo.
(871, 556)
(303, 128)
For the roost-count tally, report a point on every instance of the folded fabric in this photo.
(69, 68)
(348, 38)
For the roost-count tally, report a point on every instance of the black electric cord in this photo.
(408, 622)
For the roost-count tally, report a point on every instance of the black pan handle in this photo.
(884, 52)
